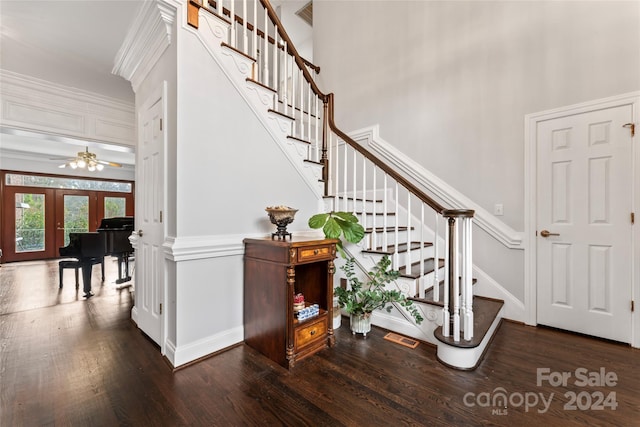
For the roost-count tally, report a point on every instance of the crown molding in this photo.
(148, 37)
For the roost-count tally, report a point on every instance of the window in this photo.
(30, 218)
(67, 183)
(114, 207)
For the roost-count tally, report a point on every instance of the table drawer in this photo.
(314, 253)
(306, 334)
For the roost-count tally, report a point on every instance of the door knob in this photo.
(139, 233)
(547, 233)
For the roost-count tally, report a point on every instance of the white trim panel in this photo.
(190, 248)
(31, 104)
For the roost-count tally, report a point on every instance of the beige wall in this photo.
(450, 82)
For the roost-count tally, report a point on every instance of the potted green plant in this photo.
(360, 299)
(339, 224)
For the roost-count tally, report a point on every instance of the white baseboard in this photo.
(180, 355)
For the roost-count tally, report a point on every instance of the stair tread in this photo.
(388, 229)
(295, 138)
(377, 213)
(414, 273)
(402, 248)
(271, 110)
(485, 311)
(358, 199)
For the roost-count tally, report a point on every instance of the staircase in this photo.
(429, 244)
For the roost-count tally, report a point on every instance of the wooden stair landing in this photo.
(485, 311)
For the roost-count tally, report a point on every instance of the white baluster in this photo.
(446, 316)
(468, 331)
(285, 80)
(265, 75)
(456, 285)
(318, 147)
(301, 81)
(385, 212)
(293, 96)
(309, 111)
(345, 202)
(245, 25)
(276, 60)
(255, 29)
(364, 194)
(421, 284)
(436, 258)
(408, 239)
(396, 256)
(335, 174)
(355, 179)
(232, 40)
(374, 233)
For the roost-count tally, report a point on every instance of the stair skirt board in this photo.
(467, 359)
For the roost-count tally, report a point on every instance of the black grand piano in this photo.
(110, 239)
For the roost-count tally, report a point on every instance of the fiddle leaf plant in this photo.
(337, 224)
(362, 298)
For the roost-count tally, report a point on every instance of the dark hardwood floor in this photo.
(69, 362)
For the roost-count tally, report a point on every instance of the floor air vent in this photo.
(399, 339)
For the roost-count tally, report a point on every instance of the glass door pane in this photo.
(115, 207)
(76, 215)
(30, 222)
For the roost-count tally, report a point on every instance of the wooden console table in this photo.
(274, 271)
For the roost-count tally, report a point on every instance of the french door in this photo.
(36, 221)
(28, 229)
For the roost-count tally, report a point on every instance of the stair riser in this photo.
(386, 239)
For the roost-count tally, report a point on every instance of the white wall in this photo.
(449, 83)
(223, 169)
(229, 167)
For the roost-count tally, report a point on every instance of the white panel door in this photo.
(584, 200)
(150, 191)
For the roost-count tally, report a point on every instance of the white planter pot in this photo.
(361, 324)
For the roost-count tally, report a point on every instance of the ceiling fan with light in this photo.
(87, 160)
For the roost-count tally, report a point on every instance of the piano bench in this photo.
(73, 263)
